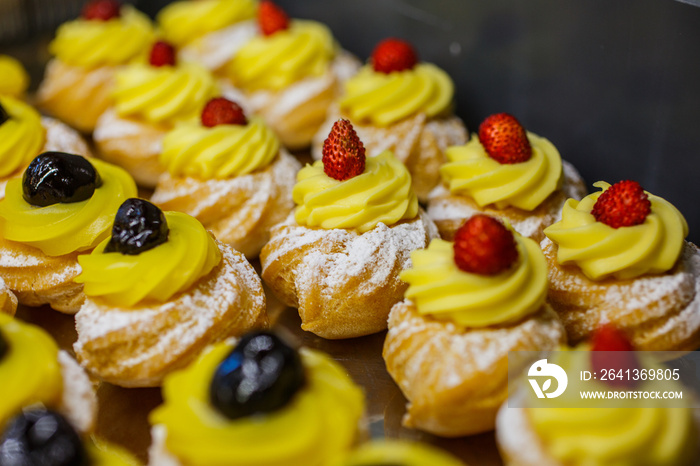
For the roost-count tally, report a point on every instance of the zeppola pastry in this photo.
(467, 305)
(338, 258)
(34, 371)
(606, 432)
(256, 402)
(289, 74)
(209, 32)
(619, 256)
(159, 290)
(230, 173)
(88, 51)
(399, 104)
(505, 172)
(24, 134)
(149, 100)
(39, 436)
(61, 207)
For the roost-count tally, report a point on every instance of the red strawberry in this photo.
(606, 339)
(343, 152)
(272, 18)
(162, 54)
(221, 111)
(101, 10)
(504, 139)
(623, 204)
(483, 245)
(393, 55)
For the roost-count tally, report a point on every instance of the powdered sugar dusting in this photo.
(112, 127)
(157, 335)
(79, 401)
(62, 138)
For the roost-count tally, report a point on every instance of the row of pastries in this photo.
(463, 248)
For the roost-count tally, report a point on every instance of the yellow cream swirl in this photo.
(223, 151)
(277, 61)
(383, 99)
(29, 371)
(14, 79)
(163, 94)
(156, 274)
(64, 228)
(184, 21)
(319, 423)
(614, 432)
(91, 44)
(440, 289)
(382, 193)
(470, 171)
(601, 251)
(21, 137)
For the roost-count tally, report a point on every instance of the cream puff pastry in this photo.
(149, 99)
(230, 173)
(159, 291)
(289, 74)
(62, 206)
(225, 407)
(635, 271)
(88, 51)
(467, 305)
(396, 103)
(515, 175)
(338, 258)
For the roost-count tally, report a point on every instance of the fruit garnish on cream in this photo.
(504, 165)
(621, 231)
(150, 256)
(345, 189)
(224, 408)
(223, 144)
(63, 203)
(395, 86)
(489, 275)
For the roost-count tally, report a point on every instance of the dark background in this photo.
(615, 85)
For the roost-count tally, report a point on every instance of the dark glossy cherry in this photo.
(138, 227)
(4, 116)
(4, 346)
(57, 177)
(41, 437)
(260, 375)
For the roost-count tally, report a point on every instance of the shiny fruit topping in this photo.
(162, 54)
(57, 177)
(221, 111)
(4, 116)
(504, 139)
(4, 346)
(101, 10)
(41, 437)
(394, 55)
(611, 350)
(272, 18)
(138, 227)
(484, 246)
(260, 375)
(623, 204)
(343, 152)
